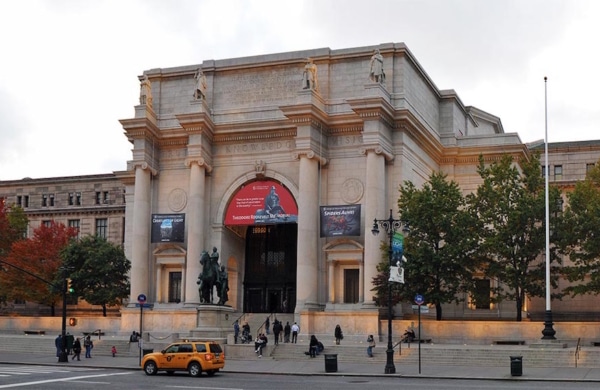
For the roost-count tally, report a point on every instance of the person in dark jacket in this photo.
(76, 349)
(313, 346)
(338, 334)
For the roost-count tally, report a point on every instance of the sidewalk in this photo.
(317, 367)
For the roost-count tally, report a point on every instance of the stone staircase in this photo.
(37, 344)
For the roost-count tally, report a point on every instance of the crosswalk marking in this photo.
(22, 370)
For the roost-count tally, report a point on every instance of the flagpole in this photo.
(548, 331)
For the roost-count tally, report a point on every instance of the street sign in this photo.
(424, 309)
(419, 300)
(142, 299)
(145, 305)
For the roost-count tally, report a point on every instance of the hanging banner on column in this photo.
(262, 202)
(168, 227)
(397, 248)
(340, 220)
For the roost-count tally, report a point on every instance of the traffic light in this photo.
(72, 321)
(70, 288)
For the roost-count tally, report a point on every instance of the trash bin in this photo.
(516, 365)
(330, 362)
(147, 351)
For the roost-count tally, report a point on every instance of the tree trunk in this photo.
(438, 311)
(519, 306)
(103, 310)
(52, 310)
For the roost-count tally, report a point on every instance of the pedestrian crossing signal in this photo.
(72, 321)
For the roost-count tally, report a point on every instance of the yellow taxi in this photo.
(194, 357)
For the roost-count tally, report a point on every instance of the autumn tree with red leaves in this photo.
(39, 256)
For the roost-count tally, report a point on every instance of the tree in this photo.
(578, 236)
(511, 206)
(13, 225)
(99, 271)
(381, 283)
(39, 256)
(440, 244)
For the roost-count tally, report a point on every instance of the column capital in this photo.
(200, 161)
(377, 149)
(143, 165)
(309, 154)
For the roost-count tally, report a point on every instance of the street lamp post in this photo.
(390, 226)
(62, 356)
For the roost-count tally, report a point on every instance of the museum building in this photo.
(277, 165)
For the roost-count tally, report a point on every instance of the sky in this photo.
(69, 68)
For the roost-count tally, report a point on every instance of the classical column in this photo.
(331, 281)
(308, 211)
(195, 221)
(374, 208)
(140, 261)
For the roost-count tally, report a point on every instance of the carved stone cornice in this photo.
(197, 123)
(137, 128)
(373, 108)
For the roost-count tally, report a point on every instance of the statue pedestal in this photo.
(213, 322)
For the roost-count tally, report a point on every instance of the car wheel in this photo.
(195, 369)
(211, 372)
(150, 368)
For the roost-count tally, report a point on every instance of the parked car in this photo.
(194, 357)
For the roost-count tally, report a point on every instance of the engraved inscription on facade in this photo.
(258, 147)
(345, 140)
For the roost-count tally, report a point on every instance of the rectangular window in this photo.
(19, 201)
(102, 227)
(174, 287)
(71, 198)
(47, 223)
(481, 295)
(558, 172)
(25, 201)
(589, 167)
(78, 199)
(51, 198)
(97, 197)
(44, 200)
(74, 223)
(105, 197)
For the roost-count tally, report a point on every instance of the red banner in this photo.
(262, 202)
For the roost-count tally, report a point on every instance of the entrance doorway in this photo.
(270, 270)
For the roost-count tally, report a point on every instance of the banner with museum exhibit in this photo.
(262, 202)
(168, 228)
(397, 267)
(340, 220)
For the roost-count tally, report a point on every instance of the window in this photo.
(78, 198)
(71, 198)
(589, 167)
(102, 227)
(44, 200)
(51, 198)
(19, 201)
(174, 287)
(47, 223)
(544, 171)
(97, 197)
(74, 223)
(481, 295)
(558, 172)
(105, 197)
(25, 201)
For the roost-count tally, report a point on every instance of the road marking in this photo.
(75, 378)
(205, 388)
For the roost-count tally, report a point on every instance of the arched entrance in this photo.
(268, 212)
(270, 274)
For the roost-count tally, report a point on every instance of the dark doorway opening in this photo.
(270, 269)
(351, 285)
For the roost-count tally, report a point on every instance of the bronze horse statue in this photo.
(208, 278)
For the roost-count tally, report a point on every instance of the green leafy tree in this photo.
(511, 205)
(381, 283)
(13, 225)
(440, 246)
(578, 236)
(98, 271)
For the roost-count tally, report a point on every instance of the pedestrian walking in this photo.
(287, 330)
(370, 345)
(58, 342)
(236, 331)
(88, 344)
(113, 350)
(295, 330)
(338, 334)
(267, 324)
(76, 349)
